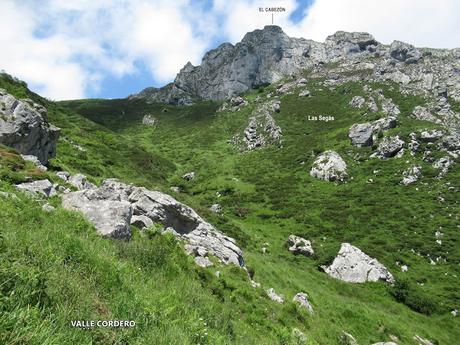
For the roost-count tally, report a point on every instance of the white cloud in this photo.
(420, 22)
(81, 42)
(84, 40)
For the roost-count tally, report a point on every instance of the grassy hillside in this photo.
(55, 268)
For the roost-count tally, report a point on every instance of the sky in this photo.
(113, 48)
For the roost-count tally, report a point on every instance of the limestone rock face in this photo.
(346, 43)
(299, 245)
(353, 266)
(23, 126)
(404, 52)
(262, 57)
(329, 166)
(262, 129)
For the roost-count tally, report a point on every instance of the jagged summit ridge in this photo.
(267, 55)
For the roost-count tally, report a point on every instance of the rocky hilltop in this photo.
(266, 56)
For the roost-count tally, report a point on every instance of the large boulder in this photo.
(329, 166)
(110, 216)
(40, 187)
(143, 207)
(389, 147)
(361, 134)
(431, 135)
(353, 266)
(299, 245)
(23, 126)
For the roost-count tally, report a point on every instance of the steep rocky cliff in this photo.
(267, 55)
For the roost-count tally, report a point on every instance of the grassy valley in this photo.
(55, 268)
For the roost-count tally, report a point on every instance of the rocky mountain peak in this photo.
(267, 55)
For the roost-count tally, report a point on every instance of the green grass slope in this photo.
(57, 269)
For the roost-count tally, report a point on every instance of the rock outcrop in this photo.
(353, 266)
(274, 296)
(302, 299)
(114, 206)
(389, 147)
(329, 166)
(361, 134)
(40, 187)
(299, 245)
(262, 129)
(411, 175)
(262, 57)
(23, 126)
(149, 120)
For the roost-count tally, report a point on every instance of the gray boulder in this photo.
(274, 296)
(304, 93)
(384, 124)
(149, 120)
(299, 245)
(411, 175)
(48, 208)
(35, 161)
(237, 101)
(452, 142)
(372, 105)
(110, 216)
(302, 299)
(216, 208)
(357, 102)
(443, 164)
(422, 341)
(63, 175)
(431, 135)
(423, 114)
(40, 187)
(201, 238)
(80, 182)
(23, 126)
(329, 166)
(389, 147)
(361, 134)
(404, 52)
(353, 266)
(189, 176)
